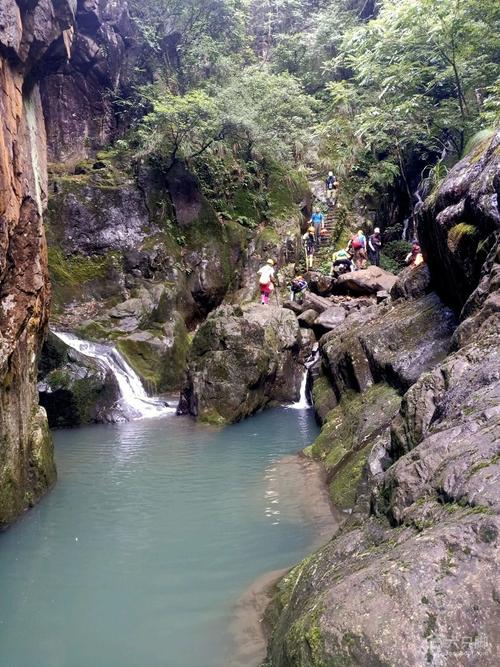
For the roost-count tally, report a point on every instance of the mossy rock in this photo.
(23, 483)
(344, 486)
(286, 189)
(349, 431)
(324, 399)
(212, 417)
(159, 365)
(244, 205)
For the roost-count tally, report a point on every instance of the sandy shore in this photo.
(303, 479)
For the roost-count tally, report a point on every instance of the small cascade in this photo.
(134, 400)
(404, 235)
(303, 402)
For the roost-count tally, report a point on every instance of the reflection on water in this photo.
(151, 534)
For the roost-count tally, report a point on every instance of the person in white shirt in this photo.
(266, 281)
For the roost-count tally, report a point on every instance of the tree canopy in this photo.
(365, 87)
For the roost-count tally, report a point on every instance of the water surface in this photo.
(153, 531)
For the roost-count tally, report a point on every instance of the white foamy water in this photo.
(134, 399)
(303, 402)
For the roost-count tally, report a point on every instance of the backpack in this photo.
(356, 242)
(310, 242)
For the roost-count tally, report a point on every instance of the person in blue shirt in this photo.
(318, 222)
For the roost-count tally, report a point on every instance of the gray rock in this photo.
(307, 318)
(366, 281)
(392, 342)
(382, 295)
(240, 361)
(457, 226)
(412, 283)
(411, 579)
(329, 319)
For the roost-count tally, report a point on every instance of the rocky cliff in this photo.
(35, 38)
(138, 253)
(411, 579)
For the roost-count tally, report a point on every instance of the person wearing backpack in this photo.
(266, 281)
(358, 245)
(297, 289)
(341, 263)
(374, 245)
(331, 189)
(317, 222)
(309, 246)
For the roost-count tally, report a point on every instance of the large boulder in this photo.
(366, 281)
(241, 360)
(329, 319)
(393, 342)
(458, 223)
(412, 283)
(319, 283)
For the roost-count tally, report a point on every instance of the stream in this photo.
(155, 528)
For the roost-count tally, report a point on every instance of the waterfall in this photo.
(303, 402)
(406, 222)
(136, 403)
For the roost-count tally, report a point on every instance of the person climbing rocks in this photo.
(414, 257)
(341, 263)
(358, 246)
(309, 246)
(318, 223)
(297, 288)
(331, 185)
(266, 281)
(374, 245)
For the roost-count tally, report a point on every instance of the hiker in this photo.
(318, 223)
(297, 289)
(331, 188)
(341, 263)
(309, 246)
(266, 281)
(414, 257)
(374, 245)
(358, 246)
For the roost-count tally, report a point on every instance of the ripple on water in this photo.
(153, 531)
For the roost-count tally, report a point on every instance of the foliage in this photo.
(378, 91)
(256, 112)
(394, 254)
(187, 39)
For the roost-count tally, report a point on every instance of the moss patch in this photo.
(76, 269)
(160, 368)
(348, 434)
(344, 486)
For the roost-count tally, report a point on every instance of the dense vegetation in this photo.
(385, 93)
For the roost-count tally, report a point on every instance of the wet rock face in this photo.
(458, 223)
(240, 361)
(77, 106)
(75, 389)
(33, 36)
